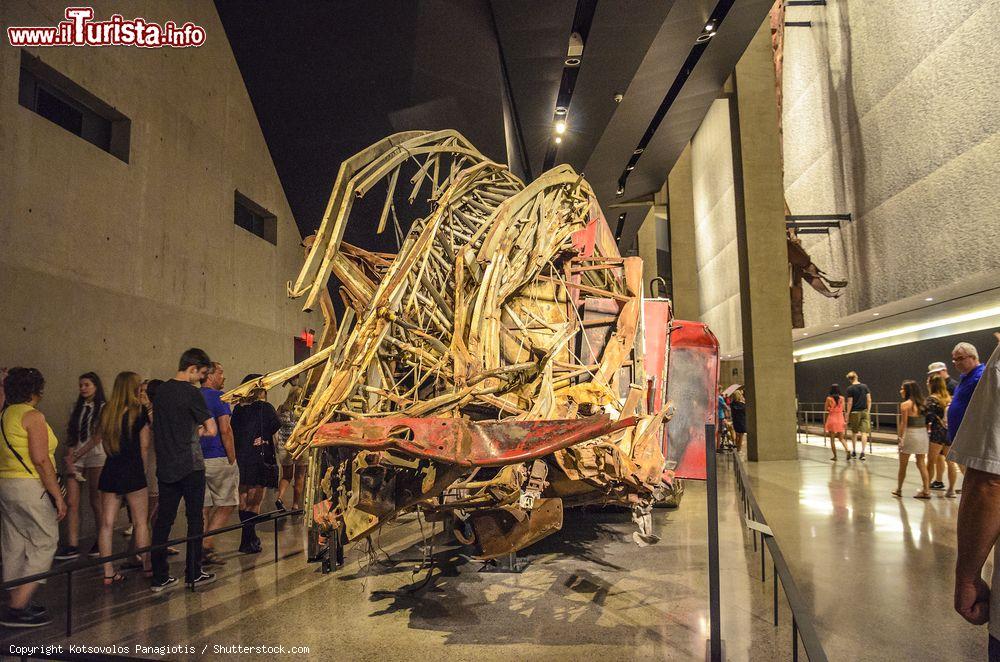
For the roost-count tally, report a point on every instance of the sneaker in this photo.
(854, 455)
(24, 618)
(937, 485)
(156, 586)
(204, 578)
(94, 551)
(862, 457)
(37, 609)
(66, 553)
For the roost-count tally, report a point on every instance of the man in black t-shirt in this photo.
(859, 406)
(179, 417)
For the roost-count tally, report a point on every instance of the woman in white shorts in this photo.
(86, 469)
(911, 426)
(292, 471)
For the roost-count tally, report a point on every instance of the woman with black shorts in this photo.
(254, 427)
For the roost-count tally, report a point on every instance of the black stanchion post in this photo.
(275, 520)
(774, 571)
(714, 653)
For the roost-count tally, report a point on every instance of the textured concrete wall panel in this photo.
(716, 250)
(891, 113)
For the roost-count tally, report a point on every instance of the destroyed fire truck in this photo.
(502, 365)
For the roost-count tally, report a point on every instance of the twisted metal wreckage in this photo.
(503, 365)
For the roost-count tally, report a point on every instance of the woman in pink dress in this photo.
(835, 423)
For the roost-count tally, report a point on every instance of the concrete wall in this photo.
(683, 240)
(111, 266)
(716, 253)
(890, 113)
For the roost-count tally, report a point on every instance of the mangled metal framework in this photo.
(488, 373)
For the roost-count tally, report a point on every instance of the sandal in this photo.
(921, 495)
(116, 578)
(950, 495)
(897, 493)
(172, 551)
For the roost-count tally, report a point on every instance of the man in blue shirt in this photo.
(221, 473)
(966, 360)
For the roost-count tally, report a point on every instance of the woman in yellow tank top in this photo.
(31, 503)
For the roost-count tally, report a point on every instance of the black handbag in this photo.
(59, 477)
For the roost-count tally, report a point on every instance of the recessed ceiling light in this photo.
(639, 150)
(836, 325)
(558, 140)
(804, 333)
(929, 299)
(560, 110)
(630, 167)
(572, 62)
(876, 314)
(561, 127)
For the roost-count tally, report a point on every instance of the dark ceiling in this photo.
(328, 79)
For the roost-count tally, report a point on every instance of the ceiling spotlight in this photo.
(560, 110)
(703, 37)
(561, 127)
(558, 139)
(620, 191)
(710, 26)
(876, 314)
(572, 62)
(630, 166)
(618, 98)
(638, 151)
(929, 299)
(836, 325)
(804, 333)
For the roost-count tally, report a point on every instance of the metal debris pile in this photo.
(486, 374)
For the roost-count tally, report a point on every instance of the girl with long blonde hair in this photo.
(125, 436)
(936, 405)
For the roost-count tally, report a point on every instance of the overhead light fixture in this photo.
(618, 98)
(558, 140)
(630, 166)
(572, 62)
(561, 127)
(560, 110)
(620, 191)
(804, 333)
(876, 314)
(638, 151)
(901, 334)
(836, 326)
(929, 299)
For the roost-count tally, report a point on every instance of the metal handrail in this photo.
(806, 411)
(802, 625)
(68, 570)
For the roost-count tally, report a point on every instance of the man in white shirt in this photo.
(977, 446)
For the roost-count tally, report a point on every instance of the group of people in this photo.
(926, 423)
(732, 417)
(149, 445)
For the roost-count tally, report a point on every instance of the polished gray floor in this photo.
(876, 569)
